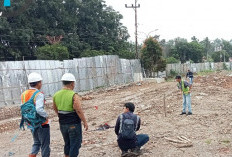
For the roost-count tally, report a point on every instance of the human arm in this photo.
(117, 126)
(138, 125)
(54, 106)
(39, 105)
(79, 111)
(180, 88)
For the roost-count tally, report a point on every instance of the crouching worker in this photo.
(68, 107)
(126, 126)
(34, 115)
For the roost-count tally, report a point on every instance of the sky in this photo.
(177, 18)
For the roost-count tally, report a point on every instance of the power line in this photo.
(136, 25)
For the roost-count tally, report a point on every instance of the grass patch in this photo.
(225, 141)
(99, 87)
(170, 79)
(208, 141)
(205, 72)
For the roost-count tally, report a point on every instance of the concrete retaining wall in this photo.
(91, 73)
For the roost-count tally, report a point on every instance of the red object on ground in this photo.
(96, 107)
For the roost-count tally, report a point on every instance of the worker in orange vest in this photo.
(41, 135)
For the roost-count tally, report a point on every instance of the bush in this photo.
(225, 67)
(93, 53)
(173, 73)
(171, 60)
(52, 52)
(219, 56)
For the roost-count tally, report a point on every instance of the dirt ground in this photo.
(207, 132)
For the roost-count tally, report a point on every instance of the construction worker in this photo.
(190, 76)
(41, 134)
(67, 105)
(185, 88)
(126, 126)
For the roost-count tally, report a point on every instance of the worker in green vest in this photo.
(185, 88)
(67, 105)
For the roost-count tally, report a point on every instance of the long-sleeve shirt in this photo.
(40, 105)
(189, 74)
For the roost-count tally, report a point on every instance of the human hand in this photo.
(86, 126)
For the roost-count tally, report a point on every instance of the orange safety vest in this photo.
(26, 95)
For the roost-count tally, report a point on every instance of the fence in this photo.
(90, 73)
(197, 67)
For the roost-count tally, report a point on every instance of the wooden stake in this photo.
(165, 112)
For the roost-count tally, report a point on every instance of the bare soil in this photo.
(208, 130)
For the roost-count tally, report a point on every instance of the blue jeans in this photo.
(142, 139)
(191, 80)
(41, 137)
(187, 101)
(72, 135)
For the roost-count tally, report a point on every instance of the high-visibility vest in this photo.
(185, 90)
(26, 95)
(64, 100)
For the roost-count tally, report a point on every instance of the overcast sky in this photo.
(178, 18)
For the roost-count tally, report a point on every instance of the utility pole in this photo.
(135, 6)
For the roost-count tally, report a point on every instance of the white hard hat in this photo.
(34, 77)
(68, 77)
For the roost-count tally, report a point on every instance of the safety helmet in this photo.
(68, 77)
(34, 77)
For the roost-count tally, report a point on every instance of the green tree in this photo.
(152, 55)
(52, 52)
(227, 46)
(171, 60)
(185, 51)
(92, 53)
(181, 51)
(218, 56)
(83, 25)
(194, 39)
(208, 47)
(195, 52)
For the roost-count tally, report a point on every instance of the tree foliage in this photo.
(171, 60)
(185, 51)
(52, 52)
(152, 55)
(84, 25)
(219, 56)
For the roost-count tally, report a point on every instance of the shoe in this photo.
(124, 153)
(135, 151)
(189, 113)
(183, 113)
(32, 155)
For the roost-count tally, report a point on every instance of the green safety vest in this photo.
(185, 90)
(64, 100)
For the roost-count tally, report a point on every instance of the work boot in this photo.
(124, 153)
(189, 113)
(183, 113)
(135, 151)
(32, 155)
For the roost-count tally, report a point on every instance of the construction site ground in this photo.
(206, 133)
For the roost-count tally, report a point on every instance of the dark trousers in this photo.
(41, 137)
(141, 140)
(72, 135)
